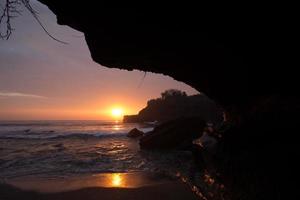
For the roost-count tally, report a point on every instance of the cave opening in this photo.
(232, 59)
(61, 116)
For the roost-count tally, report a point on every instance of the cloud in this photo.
(18, 94)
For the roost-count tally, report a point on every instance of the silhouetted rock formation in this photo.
(237, 56)
(173, 106)
(134, 133)
(174, 134)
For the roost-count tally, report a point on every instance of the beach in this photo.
(102, 186)
(87, 160)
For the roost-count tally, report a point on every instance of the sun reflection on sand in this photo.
(105, 180)
(116, 180)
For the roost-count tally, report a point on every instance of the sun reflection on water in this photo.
(116, 127)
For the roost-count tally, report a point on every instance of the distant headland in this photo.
(175, 104)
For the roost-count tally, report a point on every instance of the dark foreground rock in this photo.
(134, 133)
(177, 133)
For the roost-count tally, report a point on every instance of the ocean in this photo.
(55, 149)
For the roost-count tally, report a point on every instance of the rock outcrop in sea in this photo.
(174, 134)
(134, 133)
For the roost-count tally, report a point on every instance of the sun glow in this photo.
(117, 112)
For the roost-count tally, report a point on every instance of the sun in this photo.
(117, 112)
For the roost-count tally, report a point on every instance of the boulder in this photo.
(175, 134)
(135, 133)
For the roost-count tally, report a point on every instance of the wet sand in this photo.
(109, 186)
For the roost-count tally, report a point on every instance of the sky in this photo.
(42, 79)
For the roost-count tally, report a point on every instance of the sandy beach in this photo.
(102, 186)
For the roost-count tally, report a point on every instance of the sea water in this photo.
(54, 149)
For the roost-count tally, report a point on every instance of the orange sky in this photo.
(43, 79)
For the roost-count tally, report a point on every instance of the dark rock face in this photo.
(238, 57)
(229, 54)
(175, 134)
(258, 156)
(134, 133)
(171, 108)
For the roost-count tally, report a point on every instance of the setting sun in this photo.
(117, 112)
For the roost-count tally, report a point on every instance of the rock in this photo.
(175, 134)
(135, 133)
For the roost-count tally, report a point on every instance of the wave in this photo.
(39, 136)
(58, 124)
